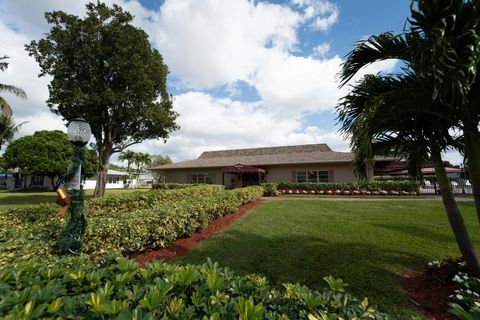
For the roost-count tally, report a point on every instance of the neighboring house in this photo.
(144, 180)
(115, 180)
(243, 167)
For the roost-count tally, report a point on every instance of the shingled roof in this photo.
(299, 154)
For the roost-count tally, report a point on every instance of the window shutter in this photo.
(330, 176)
(294, 176)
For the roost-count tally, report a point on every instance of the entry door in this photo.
(250, 179)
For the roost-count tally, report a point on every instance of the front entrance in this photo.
(250, 179)
(242, 176)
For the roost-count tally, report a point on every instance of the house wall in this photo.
(337, 172)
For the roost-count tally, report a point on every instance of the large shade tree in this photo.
(105, 70)
(46, 153)
(7, 125)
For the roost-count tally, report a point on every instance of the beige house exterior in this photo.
(300, 163)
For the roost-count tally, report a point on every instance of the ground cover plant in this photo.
(119, 289)
(367, 244)
(129, 223)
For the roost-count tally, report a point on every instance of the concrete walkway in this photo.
(362, 198)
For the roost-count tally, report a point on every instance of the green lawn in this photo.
(368, 244)
(17, 199)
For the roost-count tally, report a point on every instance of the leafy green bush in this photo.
(119, 289)
(371, 186)
(171, 185)
(269, 189)
(149, 220)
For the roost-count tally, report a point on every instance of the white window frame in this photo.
(306, 173)
(201, 178)
(36, 180)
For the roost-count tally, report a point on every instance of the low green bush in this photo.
(269, 189)
(150, 220)
(374, 185)
(119, 289)
(171, 185)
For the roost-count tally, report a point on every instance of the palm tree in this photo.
(444, 42)
(7, 127)
(129, 156)
(382, 116)
(141, 160)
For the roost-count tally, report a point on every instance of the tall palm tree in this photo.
(443, 41)
(141, 160)
(382, 116)
(129, 156)
(7, 126)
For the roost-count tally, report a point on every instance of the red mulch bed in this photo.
(181, 246)
(430, 299)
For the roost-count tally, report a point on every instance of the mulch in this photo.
(430, 299)
(181, 247)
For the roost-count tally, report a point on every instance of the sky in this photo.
(243, 73)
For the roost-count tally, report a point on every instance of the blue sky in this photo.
(243, 73)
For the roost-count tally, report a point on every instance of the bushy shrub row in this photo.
(155, 220)
(170, 185)
(372, 187)
(157, 226)
(120, 289)
(142, 200)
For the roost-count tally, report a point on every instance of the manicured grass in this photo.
(17, 199)
(368, 244)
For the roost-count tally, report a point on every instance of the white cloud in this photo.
(321, 50)
(321, 14)
(209, 123)
(211, 43)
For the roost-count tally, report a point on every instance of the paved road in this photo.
(366, 198)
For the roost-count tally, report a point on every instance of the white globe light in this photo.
(79, 132)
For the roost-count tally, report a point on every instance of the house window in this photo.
(201, 178)
(113, 180)
(311, 176)
(37, 181)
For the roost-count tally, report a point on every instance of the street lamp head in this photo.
(79, 132)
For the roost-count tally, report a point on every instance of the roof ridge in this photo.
(303, 148)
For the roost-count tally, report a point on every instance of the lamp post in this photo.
(70, 240)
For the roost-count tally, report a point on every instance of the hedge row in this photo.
(120, 289)
(406, 185)
(116, 204)
(156, 219)
(159, 225)
(170, 185)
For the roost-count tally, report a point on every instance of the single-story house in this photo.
(14, 181)
(243, 167)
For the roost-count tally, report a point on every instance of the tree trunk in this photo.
(472, 145)
(104, 163)
(455, 217)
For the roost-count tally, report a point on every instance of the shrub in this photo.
(391, 187)
(119, 289)
(269, 189)
(171, 185)
(149, 220)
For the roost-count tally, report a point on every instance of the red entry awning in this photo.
(241, 168)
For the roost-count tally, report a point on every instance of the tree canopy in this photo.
(46, 153)
(104, 69)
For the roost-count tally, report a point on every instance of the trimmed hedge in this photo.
(140, 221)
(171, 185)
(119, 289)
(372, 187)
